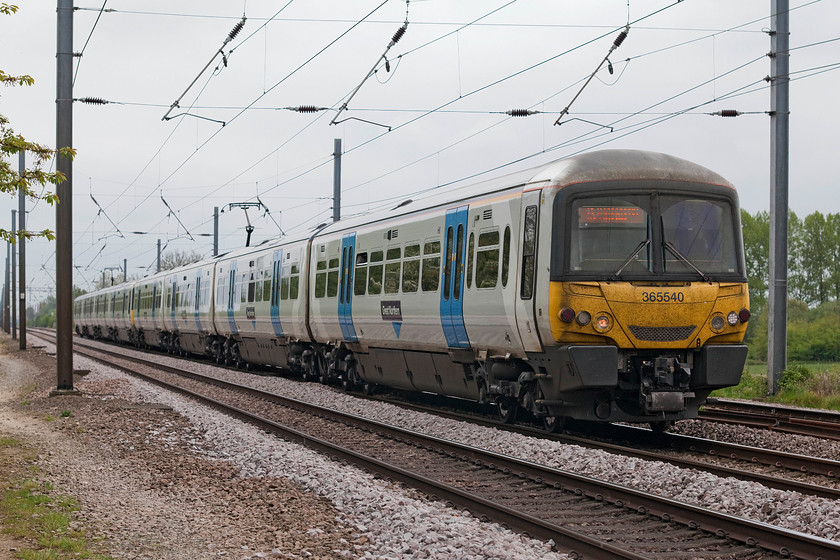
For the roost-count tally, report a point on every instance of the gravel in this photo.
(391, 522)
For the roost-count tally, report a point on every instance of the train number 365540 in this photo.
(663, 297)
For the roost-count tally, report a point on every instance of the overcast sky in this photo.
(457, 69)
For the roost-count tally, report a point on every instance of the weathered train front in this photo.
(647, 295)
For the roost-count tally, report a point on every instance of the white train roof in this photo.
(598, 166)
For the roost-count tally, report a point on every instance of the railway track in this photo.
(743, 461)
(774, 417)
(592, 518)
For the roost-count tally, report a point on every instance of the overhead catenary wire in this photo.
(418, 117)
(441, 111)
(427, 112)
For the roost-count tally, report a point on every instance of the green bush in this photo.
(795, 377)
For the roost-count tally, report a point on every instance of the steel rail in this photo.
(778, 418)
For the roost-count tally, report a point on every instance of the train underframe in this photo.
(597, 383)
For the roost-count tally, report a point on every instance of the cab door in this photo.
(526, 319)
(452, 289)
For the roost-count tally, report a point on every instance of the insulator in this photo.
(398, 35)
(520, 113)
(93, 100)
(620, 39)
(307, 109)
(236, 29)
(729, 113)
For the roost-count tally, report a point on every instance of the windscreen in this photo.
(607, 231)
(616, 235)
(698, 233)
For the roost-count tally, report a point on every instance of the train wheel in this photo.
(554, 424)
(660, 426)
(507, 407)
(369, 388)
(323, 369)
(309, 373)
(348, 382)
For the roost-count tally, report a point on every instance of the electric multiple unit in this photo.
(609, 286)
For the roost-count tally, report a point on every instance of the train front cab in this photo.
(647, 300)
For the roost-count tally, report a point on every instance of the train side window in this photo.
(258, 291)
(487, 260)
(506, 257)
(430, 276)
(267, 277)
(243, 289)
(392, 271)
(529, 252)
(360, 282)
(285, 283)
(294, 282)
(470, 250)
(321, 279)
(221, 291)
(332, 278)
(375, 273)
(411, 268)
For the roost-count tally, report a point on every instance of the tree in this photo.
(833, 250)
(11, 144)
(756, 232)
(815, 258)
(174, 259)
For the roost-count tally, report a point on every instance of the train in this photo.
(609, 286)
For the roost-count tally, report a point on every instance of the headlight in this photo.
(717, 323)
(732, 318)
(583, 318)
(603, 322)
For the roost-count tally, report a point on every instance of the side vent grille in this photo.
(488, 214)
(392, 234)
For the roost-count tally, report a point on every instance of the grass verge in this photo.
(808, 384)
(33, 514)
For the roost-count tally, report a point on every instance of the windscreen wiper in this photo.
(642, 245)
(684, 259)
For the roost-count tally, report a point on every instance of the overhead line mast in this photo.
(779, 169)
(64, 208)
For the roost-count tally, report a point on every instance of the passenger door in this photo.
(452, 290)
(276, 272)
(345, 287)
